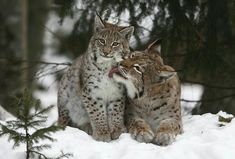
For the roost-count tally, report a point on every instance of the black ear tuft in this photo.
(99, 24)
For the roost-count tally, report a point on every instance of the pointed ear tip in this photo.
(127, 32)
(132, 28)
(158, 41)
(97, 14)
(168, 74)
(99, 23)
(129, 28)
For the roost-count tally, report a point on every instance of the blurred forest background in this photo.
(199, 41)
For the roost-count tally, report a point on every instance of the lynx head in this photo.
(109, 41)
(141, 69)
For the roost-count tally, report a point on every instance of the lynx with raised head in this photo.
(87, 98)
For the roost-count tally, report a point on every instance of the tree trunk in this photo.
(24, 45)
(10, 44)
(20, 45)
(223, 72)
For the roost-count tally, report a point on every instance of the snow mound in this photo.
(203, 138)
(4, 114)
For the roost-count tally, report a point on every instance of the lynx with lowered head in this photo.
(153, 112)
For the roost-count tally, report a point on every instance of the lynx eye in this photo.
(137, 68)
(114, 44)
(101, 41)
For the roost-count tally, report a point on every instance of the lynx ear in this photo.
(166, 73)
(99, 24)
(127, 32)
(155, 47)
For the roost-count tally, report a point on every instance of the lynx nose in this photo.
(106, 50)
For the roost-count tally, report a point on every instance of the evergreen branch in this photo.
(13, 124)
(12, 135)
(43, 111)
(25, 121)
(38, 153)
(15, 61)
(41, 147)
(64, 155)
(208, 100)
(36, 123)
(42, 137)
(18, 125)
(67, 155)
(41, 133)
(5, 130)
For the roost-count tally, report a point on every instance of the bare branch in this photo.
(208, 100)
(35, 62)
(208, 85)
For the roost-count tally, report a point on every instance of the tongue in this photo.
(112, 71)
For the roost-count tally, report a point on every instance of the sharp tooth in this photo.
(124, 71)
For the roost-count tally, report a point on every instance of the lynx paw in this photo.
(166, 132)
(164, 139)
(102, 136)
(117, 132)
(142, 133)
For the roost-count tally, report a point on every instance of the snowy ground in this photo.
(203, 138)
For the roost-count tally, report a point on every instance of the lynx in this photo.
(153, 112)
(87, 98)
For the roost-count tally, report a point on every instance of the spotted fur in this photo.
(153, 112)
(87, 98)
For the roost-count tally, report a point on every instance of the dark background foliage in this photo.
(198, 40)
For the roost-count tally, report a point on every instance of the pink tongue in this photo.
(112, 71)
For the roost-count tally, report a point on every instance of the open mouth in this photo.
(119, 71)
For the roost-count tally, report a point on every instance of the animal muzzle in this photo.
(119, 71)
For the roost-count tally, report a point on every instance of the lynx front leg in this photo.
(64, 118)
(167, 131)
(116, 118)
(140, 130)
(98, 117)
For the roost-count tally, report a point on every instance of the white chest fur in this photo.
(106, 89)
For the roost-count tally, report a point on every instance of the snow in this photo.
(203, 138)
(190, 92)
